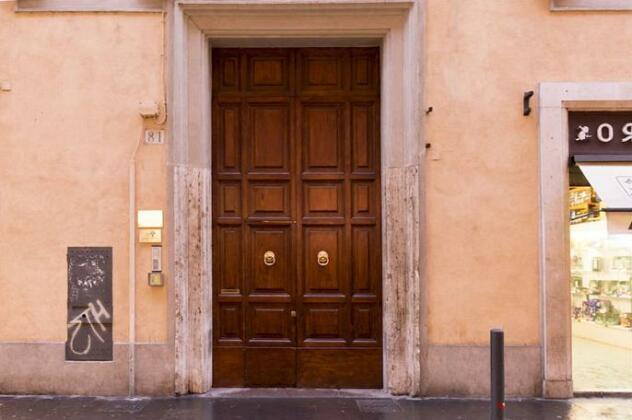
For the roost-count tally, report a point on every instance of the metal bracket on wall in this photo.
(526, 98)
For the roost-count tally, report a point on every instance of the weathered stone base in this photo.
(40, 368)
(557, 389)
(464, 371)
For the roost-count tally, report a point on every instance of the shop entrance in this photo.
(601, 250)
(296, 218)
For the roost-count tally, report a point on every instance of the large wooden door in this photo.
(296, 218)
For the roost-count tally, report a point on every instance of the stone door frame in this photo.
(397, 26)
(555, 101)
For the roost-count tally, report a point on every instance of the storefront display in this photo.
(601, 289)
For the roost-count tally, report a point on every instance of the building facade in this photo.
(336, 193)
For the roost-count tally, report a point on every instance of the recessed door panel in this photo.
(296, 218)
(323, 199)
(365, 324)
(227, 74)
(267, 199)
(363, 123)
(323, 137)
(362, 198)
(228, 139)
(230, 324)
(269, 324)
(229, 200)
(325, 325)
(268, 137)
(322, 71)
(270, 261)
(229, 261)
(268, 72)
(322, 263)
(364, 70)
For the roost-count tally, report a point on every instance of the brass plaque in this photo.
(229, 291)
(155, 279)
(150, 236)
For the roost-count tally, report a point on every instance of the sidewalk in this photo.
(229, 406)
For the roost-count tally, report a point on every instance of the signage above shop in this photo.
(600, 133)
(600, 144)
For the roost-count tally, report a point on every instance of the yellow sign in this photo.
(149, 218)
(150, 236)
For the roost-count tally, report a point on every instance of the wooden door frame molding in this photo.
(194, 24)
(556, 99)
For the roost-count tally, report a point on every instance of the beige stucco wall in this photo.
(70, 124)
(68, 129)
(482, 172)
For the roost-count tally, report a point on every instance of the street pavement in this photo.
(305, 407)
(599, 366)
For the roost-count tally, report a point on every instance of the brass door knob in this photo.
(322, 258)
(269, 258)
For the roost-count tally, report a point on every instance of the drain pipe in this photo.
(131, 350)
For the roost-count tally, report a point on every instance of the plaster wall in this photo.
(70, 124)
(482, 169)
(68, 129)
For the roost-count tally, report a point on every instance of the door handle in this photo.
(322, 258)
(293, 314)
(269, 258)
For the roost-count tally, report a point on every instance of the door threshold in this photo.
(600, 393)
(295, 393)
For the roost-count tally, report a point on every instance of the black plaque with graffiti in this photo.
(89, 304)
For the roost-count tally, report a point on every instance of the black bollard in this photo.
(497, 403)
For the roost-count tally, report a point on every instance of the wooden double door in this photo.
(296, 218)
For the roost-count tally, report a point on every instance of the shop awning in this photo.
(611, 177)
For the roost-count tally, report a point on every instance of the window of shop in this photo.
(600, 209)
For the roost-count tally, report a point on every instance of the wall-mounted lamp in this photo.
(148, 109)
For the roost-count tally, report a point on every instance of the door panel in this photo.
(296, 218)
(267, 200)
(268, 137)
(270, 367)
(339, 368)
(268, 71)
(363, 119)
(230, 328)
(323, 199)
(269, 324)
(323, 276)
(229, 242)
(274, 276)
(228, 131)
(323, 137)
(321, 70)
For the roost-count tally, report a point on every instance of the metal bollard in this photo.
(497, 403)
